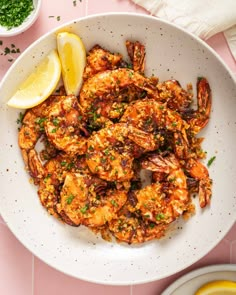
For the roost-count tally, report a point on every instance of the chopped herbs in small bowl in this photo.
(16, 16)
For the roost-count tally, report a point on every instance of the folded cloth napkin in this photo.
(203, 18)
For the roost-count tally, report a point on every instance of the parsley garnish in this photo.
(55, 122)
(70, 199)
(20, 118)
(13, 13)
(84, 209)
(152, 225)
(160, 216)
(106, 151)
(212, 159)
(114, 203)
(40, 121)
(54, 130)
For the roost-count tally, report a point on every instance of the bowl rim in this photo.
(104, 14)
(27, 23)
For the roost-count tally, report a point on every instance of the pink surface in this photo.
(20, 271)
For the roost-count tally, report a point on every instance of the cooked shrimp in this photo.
(198, 171)
(99, 60)
(90, 201)
(107, 86)
(135, 230)
(151, 116)
(31, 130)
(54, 174)
(64, 126)
(198, 119)
(33, 124)
(111, 151)
(137, 53)
(176, 98)
(35, 166)
(163, 202)
(48, 189)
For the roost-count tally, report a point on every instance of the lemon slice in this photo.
(218, 288)
(72, 54)
(39, 84)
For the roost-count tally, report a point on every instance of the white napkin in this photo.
(204, 18)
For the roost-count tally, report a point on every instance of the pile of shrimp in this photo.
(96, 146)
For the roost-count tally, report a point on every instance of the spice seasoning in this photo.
(14, 12)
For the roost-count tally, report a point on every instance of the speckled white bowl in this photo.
(171, 53)
(27, 23)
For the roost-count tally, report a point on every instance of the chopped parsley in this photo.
(70, 165)
(106, 151)
(114, 203)
(40, 122)
(54, 130)
(47, 177)
(70, 199)
(7, 50)
(91, 148)
(55, 121)
(131, 74)
(129, 66)
(212, 159)
(84, 209)
(94, 115)
(20, 118)
(58, 18)
(11, 50)
(160, 216)
(13, 13)
(152, 225)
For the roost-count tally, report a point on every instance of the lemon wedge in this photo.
(220, 287)
(39, 85)
(72, 54)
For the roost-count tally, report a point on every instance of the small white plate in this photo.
(27, 23)
(189, 283)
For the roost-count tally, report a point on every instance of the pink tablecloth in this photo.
(22, 273)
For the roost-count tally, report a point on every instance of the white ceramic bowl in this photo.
(171, 53)
(27, 23)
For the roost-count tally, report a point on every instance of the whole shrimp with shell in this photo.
(157, 119)
(112, 150)
(165, 200)
(88, 200)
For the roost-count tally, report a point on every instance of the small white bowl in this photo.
(28, 22)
